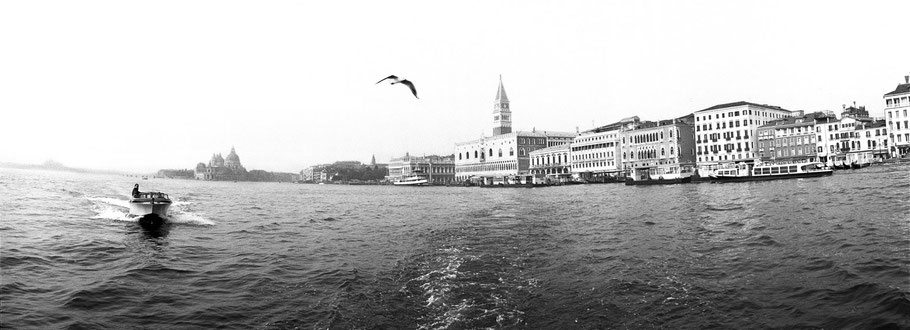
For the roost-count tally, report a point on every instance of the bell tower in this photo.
(502, 115)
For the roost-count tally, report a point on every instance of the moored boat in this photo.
(664, 174)
(759, 172)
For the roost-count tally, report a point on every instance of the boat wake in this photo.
(118, 210)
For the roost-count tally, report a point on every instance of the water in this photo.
(829, 252)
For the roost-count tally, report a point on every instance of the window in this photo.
(500, 152)
(511, 151)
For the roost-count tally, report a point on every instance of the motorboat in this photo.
(150, 206)
(768, 171)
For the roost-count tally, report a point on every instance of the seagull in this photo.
(405, 82)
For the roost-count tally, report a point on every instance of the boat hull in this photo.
(151, 220)
(411, 183)
(516, 185)
(633, 182)
(812, 174)
(141, 208)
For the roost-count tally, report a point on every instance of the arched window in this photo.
(500, 152)
(671, 150)
(491, 152)
(475, 153)
(521, 152)
(511, 151)
(459, 156)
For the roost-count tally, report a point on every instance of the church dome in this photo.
(232, 157)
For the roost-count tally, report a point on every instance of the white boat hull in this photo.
(145, 208)
(411, 183)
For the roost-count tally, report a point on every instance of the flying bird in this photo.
(405, 82)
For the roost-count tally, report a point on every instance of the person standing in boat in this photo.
(135, 191)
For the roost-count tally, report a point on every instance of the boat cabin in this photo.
(151, 195)
(785, 169)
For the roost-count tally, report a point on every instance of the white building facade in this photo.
(552, 163)
(897, 106)
(595, 153)
(726, 133)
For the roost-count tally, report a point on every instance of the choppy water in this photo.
(828, 252)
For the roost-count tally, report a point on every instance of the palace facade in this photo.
(661, 147)
(439, 170)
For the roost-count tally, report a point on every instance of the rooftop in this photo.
(561, 147)
(901, 89)
(522, 134)
(741, 103)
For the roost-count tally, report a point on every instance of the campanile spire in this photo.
(502, 115)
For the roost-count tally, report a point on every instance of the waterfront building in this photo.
(222, 168)
(897, 104)
(826, 124)
(726, 133)
(595, 153)
(438, 169)
(315, 173)
(791, 139)
(552, 163)
(505, 154)
(869, 144)
(660, 148)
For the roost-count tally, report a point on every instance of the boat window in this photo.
(793, 169)
(774, 170)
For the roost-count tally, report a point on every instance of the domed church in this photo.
(222, 168)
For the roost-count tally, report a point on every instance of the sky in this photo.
(147, 85)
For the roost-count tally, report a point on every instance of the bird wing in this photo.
(393, 77)
(410, 85)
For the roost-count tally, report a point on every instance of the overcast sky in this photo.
(145, 85)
